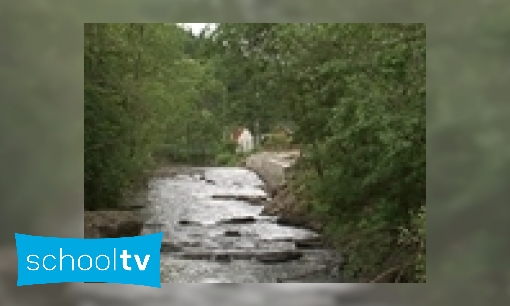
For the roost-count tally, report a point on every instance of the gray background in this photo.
(41, 138)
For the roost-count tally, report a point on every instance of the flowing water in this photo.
(214, 232)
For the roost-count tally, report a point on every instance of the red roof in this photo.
(237, 133)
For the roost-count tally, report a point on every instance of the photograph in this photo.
(261, 152)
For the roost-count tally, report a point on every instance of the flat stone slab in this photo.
(278, 257)
(169, 247)
(239, 220)
(189, 223)
(254, 200)
(309, 243)
(268, 256)
(232, 234)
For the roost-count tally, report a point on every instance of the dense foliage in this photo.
(353, 93)
(143, 92)
(356, 94)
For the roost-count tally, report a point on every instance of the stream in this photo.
(214, 232)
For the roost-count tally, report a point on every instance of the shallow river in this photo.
(214, 232)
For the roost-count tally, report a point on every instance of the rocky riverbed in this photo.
(219, 227)
(215, 231)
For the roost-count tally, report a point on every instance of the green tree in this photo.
(356, 94)
(142, 91)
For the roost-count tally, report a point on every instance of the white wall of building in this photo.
(245, 142)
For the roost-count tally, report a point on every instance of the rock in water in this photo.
(239, 220)
(279, 257)
(309, 243)
(188, 222)
(232, 234)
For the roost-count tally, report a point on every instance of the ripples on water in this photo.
(188, 197)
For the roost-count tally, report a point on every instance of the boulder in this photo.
(112, 224)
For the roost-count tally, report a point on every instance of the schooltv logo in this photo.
(129, 260)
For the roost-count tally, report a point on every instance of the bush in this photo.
(276, 142)
(229, 159)
(225, 159)
(229, 147)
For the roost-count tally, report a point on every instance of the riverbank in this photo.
(276, 170)
(273, 168)
(214, 228)
(291, 204)
(128, 219)
(112, 223)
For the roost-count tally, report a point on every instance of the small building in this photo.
(235, 135)
(244, 140)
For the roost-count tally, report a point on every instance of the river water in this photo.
(214, 232)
